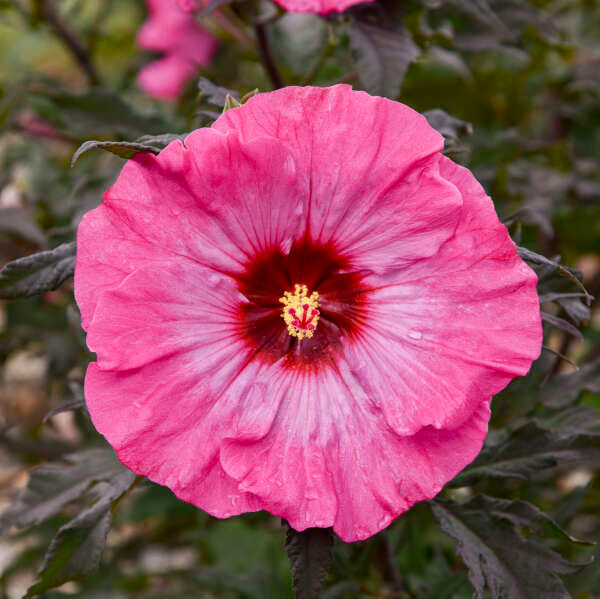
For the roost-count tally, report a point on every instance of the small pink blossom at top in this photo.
(184, 43)
(317, 6)
(190, 5)
(305, 309)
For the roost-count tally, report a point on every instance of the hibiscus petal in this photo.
(149, 418)
(166, 308)
(446, 331)
(367, 193)
(330, 459)
(174, 413)
(211, 217)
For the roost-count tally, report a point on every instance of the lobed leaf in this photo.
(309, 553)
(487, 531)
(561, 323)
(215, 94)
(37, 273)
(449, 126)
(531, 448)
(15, 222)
(546, 298)
(539, 260)
(54, 485)
(578, 312)
(381, 56)
(76, 550)
(563, 389)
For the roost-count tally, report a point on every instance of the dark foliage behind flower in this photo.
(304, 308)
(406, 303)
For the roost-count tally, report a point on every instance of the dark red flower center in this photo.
(342, 303)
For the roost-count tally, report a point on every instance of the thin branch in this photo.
(74, 45)
(266, 56)
(562, 356)
(230, 23)
(400, 590)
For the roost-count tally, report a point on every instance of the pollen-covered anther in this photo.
(300, 311)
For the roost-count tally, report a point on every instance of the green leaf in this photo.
(95, 113)
(487, 531)
(309, 553)
(54, 485)
(530, 449)
(224, 582)
(346, 588)
(37, 273)
(124, 149)
(299, 40)
(77, 548)
(381, 56)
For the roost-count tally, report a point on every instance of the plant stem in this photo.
(74, 45)
(266, 56)
(399, 588)
(225, 18)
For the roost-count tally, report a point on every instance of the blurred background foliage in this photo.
(514, 86)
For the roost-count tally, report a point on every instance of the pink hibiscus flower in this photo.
(318, 6)
(185, 44)
(304, 309)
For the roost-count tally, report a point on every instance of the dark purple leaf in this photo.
(563, 389)
(489, 541)
(123, 149)
(381, 56)
(77, 548)
(52, 486)
(37, 273)
(214, 94)
(309, 552)
(552, 265)
(531, 448)
(561, 323)
(15, 222)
